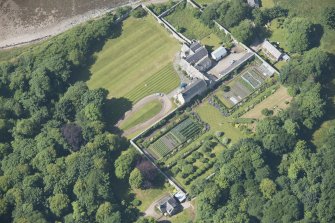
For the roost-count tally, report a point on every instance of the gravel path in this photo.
(166, 107)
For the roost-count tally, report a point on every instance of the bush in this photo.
(136, 202)
(175, 170)
(267, 112)
(139, 12)
(226, 88)
(225, 140)
(197, 14)
(204, 160)
(196, 155)
(181, 29)
(219, 134)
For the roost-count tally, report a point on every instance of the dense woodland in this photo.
(59, 162)
(57, 159)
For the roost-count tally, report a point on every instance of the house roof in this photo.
(272, 49)
(219, 52)
(168, 204)
(197, 56)
(194, 89)
(195, 45)
(204, 64)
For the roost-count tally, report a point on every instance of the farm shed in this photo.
(219, 53)
(271, 51)
(194, 89)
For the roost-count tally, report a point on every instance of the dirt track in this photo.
(166, 107)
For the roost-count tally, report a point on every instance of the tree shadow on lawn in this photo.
(114, 110)
(82, 72)
(316, 35)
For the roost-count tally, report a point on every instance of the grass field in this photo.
(278, 34)
(206, 2)
(183, 17)
(187, 215)
(138, 62)
(163, 81)
(148, 111)
(218, 122)
(267, 3)
(277, 100)
(211, 41)
(152, 194)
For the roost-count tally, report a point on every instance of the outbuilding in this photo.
(271, 51)
(219, 53)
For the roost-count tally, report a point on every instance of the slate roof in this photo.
(197, 56)
(168, 204)
(195, 45)
(204, 64)
(194, 89)
(271, 49)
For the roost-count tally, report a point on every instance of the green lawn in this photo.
(148, 111)
(320, 134)
(163, 81)
(183, 17)
(206, 2)
(227, 103)
(278, 34)
(267, 3)
(218, 122)
(150, 195)
(212, 41)
(183, 217)
(140, 56)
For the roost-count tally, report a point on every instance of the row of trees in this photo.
(56, 155)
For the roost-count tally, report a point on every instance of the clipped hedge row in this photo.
(200, 171)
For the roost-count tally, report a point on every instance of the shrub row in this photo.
(200, 171)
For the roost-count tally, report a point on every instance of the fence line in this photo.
(194, 4)
(180, 37)
(170, 179)
(170, 9)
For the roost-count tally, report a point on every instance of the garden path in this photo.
(166, 107)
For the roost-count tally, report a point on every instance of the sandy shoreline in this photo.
(25, 34)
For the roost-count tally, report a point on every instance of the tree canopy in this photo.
(56, 155)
